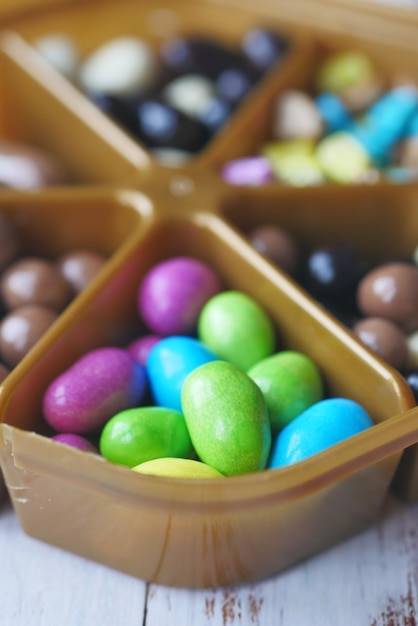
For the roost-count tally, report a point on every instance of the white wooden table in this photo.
(370, 580)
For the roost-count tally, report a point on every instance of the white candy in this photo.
(296, 117)
(120, 67)
(59, 51)
(189, 94)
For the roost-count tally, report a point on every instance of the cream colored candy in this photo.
(361, 96)
(342, 158)
(120, 67)
(296, 117)
(189, 94)
(177, 468)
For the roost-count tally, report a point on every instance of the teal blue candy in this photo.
(168, 364)
(141, 434)
(290, 382)
(321, 426)
(227, 418)
(236, 328)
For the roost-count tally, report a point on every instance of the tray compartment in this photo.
(189, 533)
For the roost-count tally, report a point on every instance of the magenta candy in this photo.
(173, 293)
(99, 385)
(140, 348)
(75, 441)
(252, 171)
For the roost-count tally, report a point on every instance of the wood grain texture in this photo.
(370, 580)
(44, 586)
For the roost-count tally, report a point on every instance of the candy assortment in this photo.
(378, 302)
(175, 97)
(221, 392)
(34, 291)
(355, 127)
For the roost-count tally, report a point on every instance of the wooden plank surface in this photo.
(370, 580)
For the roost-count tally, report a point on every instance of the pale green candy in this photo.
(342, 158)
(344, 70)
(177, 468)
(294, 162)
(227, 418)
(290, 383)
(236, 328)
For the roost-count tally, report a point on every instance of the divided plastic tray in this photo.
(138, 212)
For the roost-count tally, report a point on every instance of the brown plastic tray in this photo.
(194, 533)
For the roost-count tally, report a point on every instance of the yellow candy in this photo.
(342, 158)
(294, 162)
(177, 468)
(344, 70)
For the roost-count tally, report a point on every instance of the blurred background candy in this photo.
(174, 96)
(353, 126)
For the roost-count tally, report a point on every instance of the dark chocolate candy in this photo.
(159, 125)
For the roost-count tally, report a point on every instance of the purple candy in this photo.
(173, 293)
(75, 441)
(251, 171)
(99, 385)
(140, 348)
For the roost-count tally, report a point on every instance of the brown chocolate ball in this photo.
(277, 245)
(25, 167)
(385, 339)
(80, 267)
(21, 329)
(34, 281)
(391, 291)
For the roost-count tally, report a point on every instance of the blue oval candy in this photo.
(169, 362)
(322, 425)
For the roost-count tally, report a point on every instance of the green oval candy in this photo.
(177, 468)
(137, 435)
(237, 329)
(227, 418)
(290, 383)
